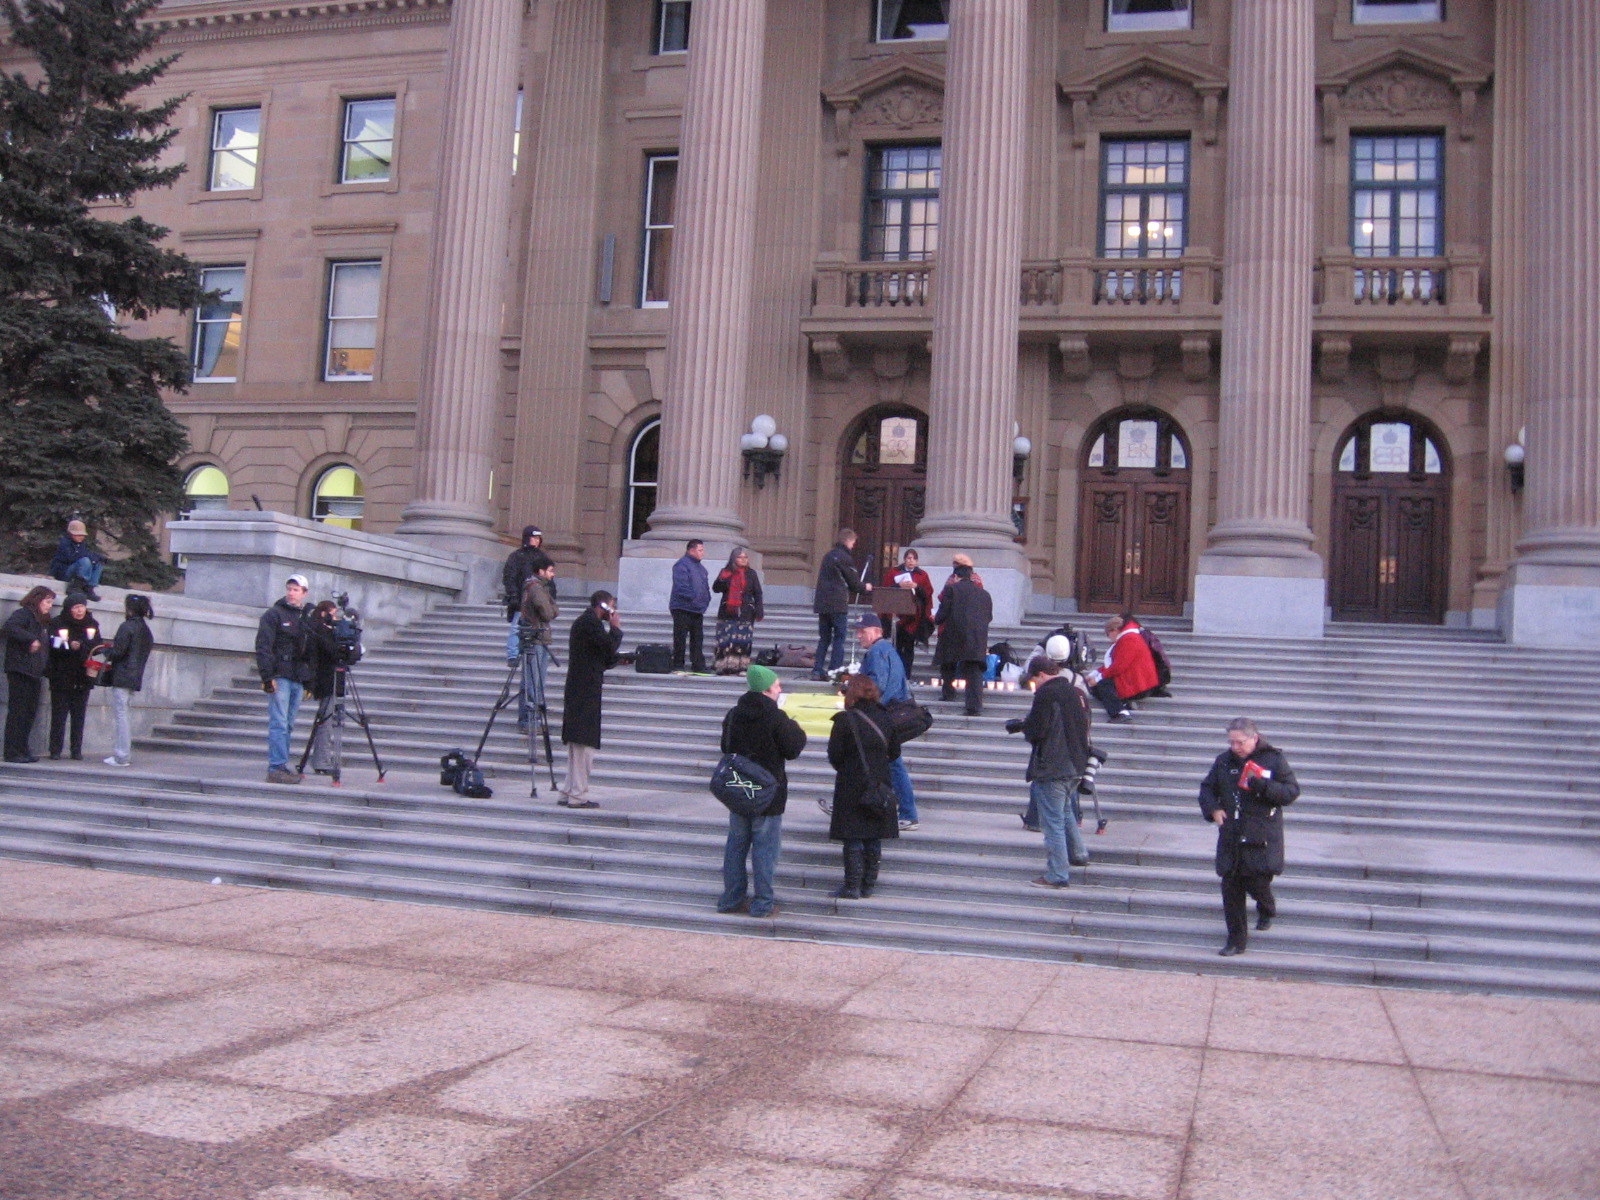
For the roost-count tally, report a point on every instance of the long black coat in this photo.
(591, 652)
(849, 819)
(837, 581)
(22, 629)
(965, 611)
(1250, 840)
(761, 731)
(66, 669)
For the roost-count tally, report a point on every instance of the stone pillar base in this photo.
(644, 573)
(1259, 605)
(1551, 606)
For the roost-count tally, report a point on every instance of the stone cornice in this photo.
(214, 22)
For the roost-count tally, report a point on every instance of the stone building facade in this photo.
(1226, 307)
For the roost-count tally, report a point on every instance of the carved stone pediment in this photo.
(1145, 86)
(1397, 91)
(1145, 96)
(901, 108)
(1402, 80)
(902, 93)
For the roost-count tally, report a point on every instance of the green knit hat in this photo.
(760, 678)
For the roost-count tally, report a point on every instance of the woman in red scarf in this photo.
(738, 613)
(910, 630)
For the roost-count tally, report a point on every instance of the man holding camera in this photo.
(539, 613)
(281, 661)
(592, 650)
(1057, 728)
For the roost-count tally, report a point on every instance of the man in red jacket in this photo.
(1129, 671)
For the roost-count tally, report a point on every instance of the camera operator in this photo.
(281, 663)
(539, 613)
(322, 662)
(522, 564)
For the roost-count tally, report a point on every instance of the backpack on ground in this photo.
(470, 783)
(797, 656)
(451, 765)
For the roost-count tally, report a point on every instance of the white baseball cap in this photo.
(300, 579)
(1058, 648)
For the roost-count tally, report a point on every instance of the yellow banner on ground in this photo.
(813, 711)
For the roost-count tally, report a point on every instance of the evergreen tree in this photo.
(83, 428)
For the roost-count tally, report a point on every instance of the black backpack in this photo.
(470, 783)
(1159, 653)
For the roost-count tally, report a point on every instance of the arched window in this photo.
(644, 465)
(1390, 445)
(205, 487)
(338, 498)
(1145, 440)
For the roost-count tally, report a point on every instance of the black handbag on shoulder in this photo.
(908, 719)
(743, 785)
(879, 798)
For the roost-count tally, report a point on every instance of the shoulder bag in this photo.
(878, 798)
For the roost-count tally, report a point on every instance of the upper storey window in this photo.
(1396, 12)
(1133, 16)
(660, 202)
(235, 149)
(1394, 196)
(1145, 205)
(902, 203)
(368, 151)
(672, 26)
(912, 20)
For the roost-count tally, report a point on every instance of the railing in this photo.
(875, 285)
(1141, 283)
(1138, 285)
(1345, 281)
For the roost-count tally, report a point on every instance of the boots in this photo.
(872, 856)
(854, 864)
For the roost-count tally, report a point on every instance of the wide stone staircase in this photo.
(1448, 832)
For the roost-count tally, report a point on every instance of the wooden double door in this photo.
(1134, 547)
(884, 484)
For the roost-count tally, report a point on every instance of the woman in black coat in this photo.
(27, 638)
(1243, 795)
(860, 747)
(73, 635)
(591, 652)
(130, 651)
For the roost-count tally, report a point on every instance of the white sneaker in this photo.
(113, 761)
(908, 826)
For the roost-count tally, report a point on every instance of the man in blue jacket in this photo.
(691, 596)
(883, 665)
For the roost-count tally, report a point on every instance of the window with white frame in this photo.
(672, 26)
(516, 136)
(235, 149)
(352, 333)
(1396, 12)
(644, 467)
(1135, 16)
(660, 200)
(367, 154)
(912, 20)
(339, 498)
(218, 325)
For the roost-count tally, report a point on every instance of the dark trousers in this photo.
(972, 671)
(1234, 890)
(691, 626)
(1106, 692)
(905, 645)
(832, 630)
(21, 709)
(64, 704)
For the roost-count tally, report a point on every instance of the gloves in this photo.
(268, 686)
(1014, 725)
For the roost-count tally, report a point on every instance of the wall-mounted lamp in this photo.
(1516, 456)
(763, 449)
(1021, 447)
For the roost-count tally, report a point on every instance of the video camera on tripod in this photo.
(342, 646)
(346, 631)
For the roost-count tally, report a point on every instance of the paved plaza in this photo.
(168, 1040)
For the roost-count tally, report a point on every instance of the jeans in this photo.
(122, 743)
(831, 628)
(690, 627)
(1062, 841)
(762, 839)
(282, 705)
(1031, 817)
(1106, 692)
(514, 638)
(534, 665)
(900, 779)
(86, 571)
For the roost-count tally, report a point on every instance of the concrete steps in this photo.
(1477, 788)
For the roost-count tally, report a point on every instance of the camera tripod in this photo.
(332, 713)
(529, 696)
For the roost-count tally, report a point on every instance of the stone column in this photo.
(703, 413)
(459, 401)
(1554, 593)
(973, 390)
(1258, 573)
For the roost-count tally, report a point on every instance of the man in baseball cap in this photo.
(281, 662)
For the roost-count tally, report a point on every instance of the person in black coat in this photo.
(27, 638)
(860, 746)
(281, 663)
(965, 611)
(73, 636)
(521, 565)
(592, 650)
(130, 651)
(1057, 730)
(761, 731)
(838, 582)
(1243, 795)
(322, 669)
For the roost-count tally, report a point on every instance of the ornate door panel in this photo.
(1418, 588)
(1106, 547)
(1161, 554)
(1354, 582)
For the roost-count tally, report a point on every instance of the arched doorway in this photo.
(882, 482)
(1391, 522)
(1133, 545)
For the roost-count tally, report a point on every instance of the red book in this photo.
(1252, 770)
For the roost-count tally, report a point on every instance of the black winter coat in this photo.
(1057, 727)
(130, 651)
(1250, 841)
(521, 565)
(22, 629)
(837, 581)
(761, 731)
(750, 604)
(66, 669)
(322, 658)
(965, 611)
(849, 819)
(281, 643)
(591, 652)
